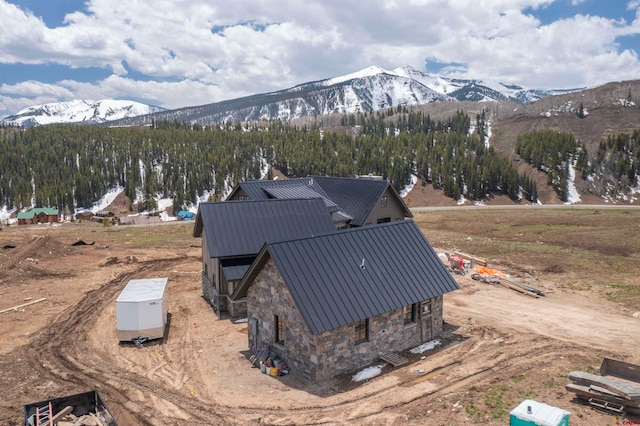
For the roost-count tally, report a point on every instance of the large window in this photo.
(279, 322)
(362, 331)
(410, 313)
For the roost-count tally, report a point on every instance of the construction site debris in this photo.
(494, 276)
(616, 389)
(83, 243)
(14, 308)
(456, 264)
(472, 259)
(526, 288)
(83, 409)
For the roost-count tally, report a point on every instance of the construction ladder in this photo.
(43, 415)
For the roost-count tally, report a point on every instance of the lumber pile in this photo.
(473, 259)
(522, 288)
(616, 389)
(70, 419)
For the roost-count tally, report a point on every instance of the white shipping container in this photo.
(142, 309)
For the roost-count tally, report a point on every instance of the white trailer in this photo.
(142, 309)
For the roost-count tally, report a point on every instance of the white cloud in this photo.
(200, 51)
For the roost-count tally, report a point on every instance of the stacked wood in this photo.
(86, 420)
(474, 260)
(615, 389)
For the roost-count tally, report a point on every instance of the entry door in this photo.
(426, 316)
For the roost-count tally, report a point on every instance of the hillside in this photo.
(443, 143)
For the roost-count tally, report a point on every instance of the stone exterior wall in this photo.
(337, 351)
(269, 296)
(333, 352)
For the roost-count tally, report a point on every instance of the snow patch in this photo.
(5, 216)
(104, 202)
(425, 347)
(573, 195)
(367, 373)
(407, 189)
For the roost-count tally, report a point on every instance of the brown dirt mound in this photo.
(30, 255)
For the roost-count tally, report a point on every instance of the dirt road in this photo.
(500, 348)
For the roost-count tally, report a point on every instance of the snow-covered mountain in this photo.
(367, 90)
(478, 90)
(370, 89)
(78, 111)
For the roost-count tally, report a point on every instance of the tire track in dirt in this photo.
(61, 350)
(55, 352)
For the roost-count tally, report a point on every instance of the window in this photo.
(362, 331)
(243, 197)
(383, 202)
(384, 220)
(410, 313)
(279, 322)
(426, 308)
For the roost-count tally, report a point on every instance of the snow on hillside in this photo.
(367, 72)
(79, 111)
(433, 82)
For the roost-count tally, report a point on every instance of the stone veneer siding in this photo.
(332, 352)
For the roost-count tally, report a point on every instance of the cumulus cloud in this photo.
(190, 52)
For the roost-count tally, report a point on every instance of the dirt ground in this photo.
(500, 346)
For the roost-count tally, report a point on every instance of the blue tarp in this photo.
(185, 215)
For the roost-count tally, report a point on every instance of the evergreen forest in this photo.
(612, 172)
(69, 166)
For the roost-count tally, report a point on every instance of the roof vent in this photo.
(362, 264)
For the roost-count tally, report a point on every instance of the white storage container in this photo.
(142, 309)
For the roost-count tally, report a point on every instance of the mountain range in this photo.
(370, 89)
(79, 111)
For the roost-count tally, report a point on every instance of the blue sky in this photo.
(175, 53)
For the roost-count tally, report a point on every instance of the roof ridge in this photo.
(256, 201)
(344, 231)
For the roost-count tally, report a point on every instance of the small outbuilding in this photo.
(84, 215)
(142, 310)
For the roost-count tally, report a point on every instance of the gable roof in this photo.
(351, 198)
(236, 228)
(36, 211)
(358, 196)
(330, 287)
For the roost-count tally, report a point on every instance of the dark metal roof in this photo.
(299, 191)
(256, 189)
(234, 269)
(339, 278)
(236, 228)
(357, 197)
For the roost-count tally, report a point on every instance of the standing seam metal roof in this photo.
(358, 197)
(235, 228)
(331, 289)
